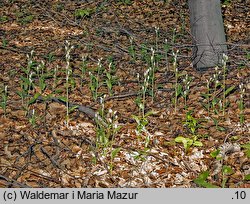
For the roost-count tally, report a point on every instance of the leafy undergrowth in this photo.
(102, 94)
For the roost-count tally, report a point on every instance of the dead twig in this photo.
(53, 161)
(11, 181)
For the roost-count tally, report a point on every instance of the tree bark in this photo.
(208, 33)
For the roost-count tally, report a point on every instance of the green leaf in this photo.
(136, 118)
(144, 121)
(246, 146)
(58, 91)
(201, 180)
(181, 74)
(189, 141)
(234, 138)
(115, 152)
(72, 108)
(241, 105)
(227, 170)
(215, 153)
(215, 101)
(108, 75)
(150, 113)
(215, 121)
(192, 129)
(198, 144)
(20, 93)
(126, 2)
(25, 80)
(248, 153)
(206, 96)
(33, 99)
(179, 90)
(3, 19)
(226, 2)
(63, 98)
(203, 176)
(27, 19)
(185, 144)
(81, 13)
(220, 128)
(179, 139)
(223, 183)
(42, 83)
(247, 177)
(229, 90)
(205, 184)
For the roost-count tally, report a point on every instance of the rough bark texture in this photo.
(208, 33)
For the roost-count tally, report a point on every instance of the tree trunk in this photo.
(208, 33)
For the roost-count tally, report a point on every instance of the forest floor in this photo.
(160, 123)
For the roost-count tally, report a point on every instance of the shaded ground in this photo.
(39, 150)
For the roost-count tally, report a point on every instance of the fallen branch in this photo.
(84, 109)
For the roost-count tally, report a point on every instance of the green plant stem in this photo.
(176, 89)
(4, 100)
(153, 73)
(224, 91)
(68, 48)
